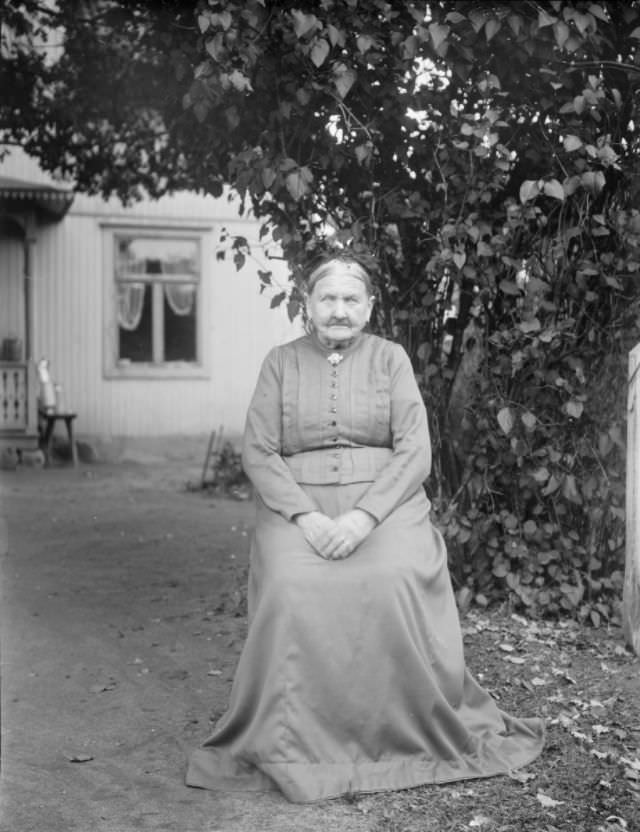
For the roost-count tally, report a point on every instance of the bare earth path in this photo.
(121, 626)
(119, 639)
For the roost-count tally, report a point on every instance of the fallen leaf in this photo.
(634, 764)
(79, 758)
(508, 648)
(538, 681)
(479, 820)
(99, 688)
(514, 659)
(548, 802)
(579, 735)
(617, 822)
(521, 776)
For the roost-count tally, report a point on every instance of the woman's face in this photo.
(339, 307)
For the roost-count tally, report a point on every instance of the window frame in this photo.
(112, 365)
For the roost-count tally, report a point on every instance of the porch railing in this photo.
(17, 397)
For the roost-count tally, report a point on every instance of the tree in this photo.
(484, 153)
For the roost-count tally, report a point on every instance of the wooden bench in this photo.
(46, 425)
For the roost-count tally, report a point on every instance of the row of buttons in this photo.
(333, 396)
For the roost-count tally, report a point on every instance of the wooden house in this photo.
(150, 334)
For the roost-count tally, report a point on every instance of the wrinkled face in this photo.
(339, 307)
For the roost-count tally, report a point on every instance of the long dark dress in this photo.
(352, 678)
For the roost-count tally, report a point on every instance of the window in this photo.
(156, 303)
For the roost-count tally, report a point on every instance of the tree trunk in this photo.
(631, 594)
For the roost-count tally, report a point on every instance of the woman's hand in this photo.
(354, 527)
(339, 538)
(321, 532)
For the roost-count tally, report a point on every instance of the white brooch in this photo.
(335, 358)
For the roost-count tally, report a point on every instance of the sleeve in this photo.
(411, 460)
(262, 444)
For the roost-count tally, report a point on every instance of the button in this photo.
(333, 410)
(333, 424)
(333, 396)
(335, 438)
(335, 467)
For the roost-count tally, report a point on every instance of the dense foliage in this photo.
(484, 153)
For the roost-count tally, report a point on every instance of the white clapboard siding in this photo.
(70, 276)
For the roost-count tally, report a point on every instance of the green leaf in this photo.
(570, 490)
(298, 183)
(268, 177)
(597, 11)
(541, 475)
(529, 326)
(438, 33)
(492, 28)
(552, 485)
(561, 32)
(528, 190)
(571, 143)
(506, 420)
(364, 43)
(344, 78)
(593, 180)
(239, 81)
(276, 300)
(529, 420)
(303, 23)
(515, 23)
(554, 189)
(545, 19)
(508, 287)
(574, 408)
(224, 18)
(319, 51)
(363, 152)
(336, 36)
(477, 18)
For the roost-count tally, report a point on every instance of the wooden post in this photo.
(631, 593)
(30, 227)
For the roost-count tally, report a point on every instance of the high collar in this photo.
(342, 350)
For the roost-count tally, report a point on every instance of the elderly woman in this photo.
(352, 678)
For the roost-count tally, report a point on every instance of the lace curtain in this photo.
(180, 297)
(130, 305)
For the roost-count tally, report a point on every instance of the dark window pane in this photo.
(179, 322)
(137, 344)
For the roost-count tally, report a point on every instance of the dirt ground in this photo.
(122, 618)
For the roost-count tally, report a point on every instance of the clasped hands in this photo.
(335, 538)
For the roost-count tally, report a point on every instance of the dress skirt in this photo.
(352, 678)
